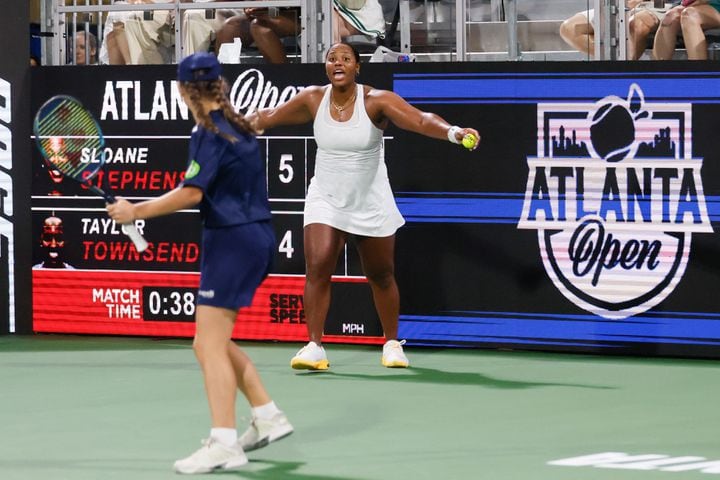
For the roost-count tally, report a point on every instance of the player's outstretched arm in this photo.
(407, 117)
(298, 110)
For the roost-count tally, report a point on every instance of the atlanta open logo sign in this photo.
(615, 196)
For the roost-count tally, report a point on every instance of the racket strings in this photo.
(69, 137)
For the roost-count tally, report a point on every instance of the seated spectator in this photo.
(263, 28)
(200, 27)
(367, 20)
(35, 61)
(578, 32)
(645, 19)
(85, 48)
(130, 39)
(691, 19)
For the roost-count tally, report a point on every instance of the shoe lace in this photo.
(251, 422)
(307, 348)
(394, 346)
(205, 444)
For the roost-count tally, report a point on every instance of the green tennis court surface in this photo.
(106, 408)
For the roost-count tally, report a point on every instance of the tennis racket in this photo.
(64, 130)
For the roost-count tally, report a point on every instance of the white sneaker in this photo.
(393, 355)
(261, 432)
(310, 357)
(212, 455)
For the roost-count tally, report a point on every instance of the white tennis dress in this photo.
(350, 189)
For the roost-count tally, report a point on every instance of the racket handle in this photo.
(129, 228)
(132, 232)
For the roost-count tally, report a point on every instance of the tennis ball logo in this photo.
(612, 132)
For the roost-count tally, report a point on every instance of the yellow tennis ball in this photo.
(469, 141)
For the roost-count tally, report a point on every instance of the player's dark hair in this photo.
(354, 50)
(215, 90)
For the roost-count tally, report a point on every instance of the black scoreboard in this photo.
(583, 222)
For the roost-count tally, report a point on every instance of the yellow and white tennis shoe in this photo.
(262, 432)
(311, 357)
(213, 455)
(393, 355)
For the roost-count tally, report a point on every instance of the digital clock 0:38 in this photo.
(170, 304)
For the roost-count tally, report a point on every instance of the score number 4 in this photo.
(286, 245)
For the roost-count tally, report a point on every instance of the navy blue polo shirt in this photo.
(230, 174)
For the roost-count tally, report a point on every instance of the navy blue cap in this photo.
(198, 67)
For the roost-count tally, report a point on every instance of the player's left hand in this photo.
(469, 131)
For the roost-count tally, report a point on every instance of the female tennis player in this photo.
(226, 177)
(350, 193)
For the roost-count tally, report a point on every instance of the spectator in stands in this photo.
(136, 38)
(200, 26)
(578, 32)
(35, 61)
(85, 48)
(692, 19)
(357, 17)
(265, 28)
(645, 19)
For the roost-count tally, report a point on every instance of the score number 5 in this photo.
(286, 170)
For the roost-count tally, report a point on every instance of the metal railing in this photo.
(504, 26)
(315, 18)
(64, 21)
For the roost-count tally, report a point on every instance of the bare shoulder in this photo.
(377, 94)
(380, 105)
(311, 95)
(380, 97)
(313, 91)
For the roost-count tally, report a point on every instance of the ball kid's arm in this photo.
(179, 198)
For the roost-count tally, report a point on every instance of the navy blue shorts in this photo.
(234, 262)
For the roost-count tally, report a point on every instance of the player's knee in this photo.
(382, 279)
(318, 270)
(198, 348)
